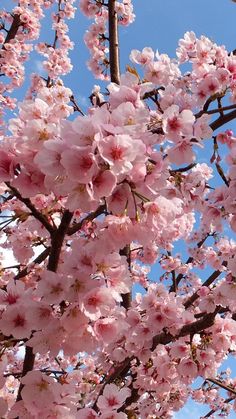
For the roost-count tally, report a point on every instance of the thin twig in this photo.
(75, 105)
(212, 411)
(189, 260)
(37, 214)
(222, 385)
(76, 227)
(221, 173)
(39, 259)
(217, 110)
(208, 282)
(183, 169)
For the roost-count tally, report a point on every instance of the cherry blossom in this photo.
(117, 288)
(112, 397)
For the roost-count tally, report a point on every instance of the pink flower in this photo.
(20, 410)
(120, 230)
(86, 413)
(117, 201)
(16, 321)
(52, 287)
(48, 159)
(106, 329)
(187, 47)
(41, 313)
(113, 415)
(176, 124)
(14, 293)
(34, 109)
(187, 368)
(144, 57)
(3, 407)
(208, 303)
(73, 318)
(181, 153)
(126, 118)
(228, 289)
(120, 151)
(37, 388)
(155, 72)
(179, 350)
(103, 184)
(37, 131)
(6, 166)
(79, 163)
(80, 197)
(97, 302)
(112, 397)
(233, 223)
(202, 130)
(30, 182)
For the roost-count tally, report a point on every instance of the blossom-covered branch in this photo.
(95, 199)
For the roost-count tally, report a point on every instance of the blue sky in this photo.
(159, 24)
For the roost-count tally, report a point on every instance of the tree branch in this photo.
(204, 323)
(221, 173)
(39, 259)
(13, 29)
(222, 120)
(130, 400)
(126, 298)
(76, 227)
(28, 365)
(222, 385)
(208, 282)
(120, 371)
(76, 106)
(56, 245)
(183, 169)
(219, 110)
(113, 43)
(37, 214)
(57, 241)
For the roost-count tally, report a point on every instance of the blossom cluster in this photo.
(96, 36)
(22, 27)
(57, 61)
(89, 204)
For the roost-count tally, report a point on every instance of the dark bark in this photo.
(39, 259)
(113, 43)
(28, 365)
(57, 241)
(55, 250)
(222, 120)
(126, 298)
(76, 227)
(13, 29)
